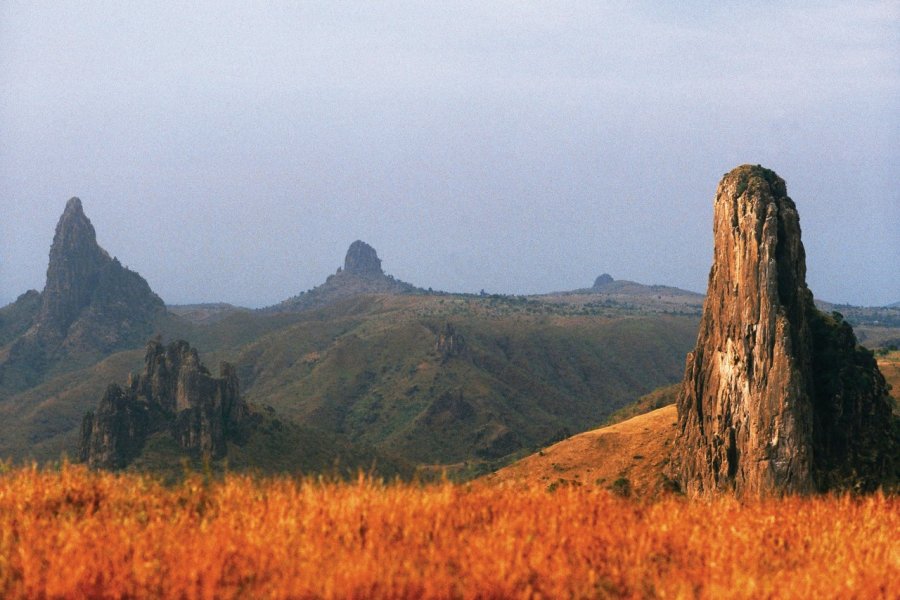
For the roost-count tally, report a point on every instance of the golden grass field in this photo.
(72, 533)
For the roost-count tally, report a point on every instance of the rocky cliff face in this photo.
(90, 299)
(777, 398)
(90, 303)
(174, 395)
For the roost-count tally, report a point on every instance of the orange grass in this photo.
(72, 533)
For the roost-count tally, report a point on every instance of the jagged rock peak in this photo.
(174, 395)
(777, 398)
(362, 260)
(73, 268)
(603, 280)
(84, 284)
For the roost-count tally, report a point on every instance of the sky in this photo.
(232, 151)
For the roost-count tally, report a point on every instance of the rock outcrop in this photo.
(90, 305)
(449, 342)
(175, 395)
(360, 275)
(603, 281)
(777, 397)
(362, 260)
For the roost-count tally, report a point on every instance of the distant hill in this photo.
(360, 275)
(204, 314)
(631, 295)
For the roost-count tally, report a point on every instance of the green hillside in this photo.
(367, 371)
(529, 373)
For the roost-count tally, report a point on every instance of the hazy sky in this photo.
(232, 151)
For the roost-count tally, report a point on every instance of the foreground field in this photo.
(78, 534)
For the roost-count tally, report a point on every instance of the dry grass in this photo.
(635, 451)
(73, 534)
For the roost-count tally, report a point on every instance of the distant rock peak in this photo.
(603, 280)
(90, 304)
(73, 269)
(361, 259)
(360, 275)
(73, 205)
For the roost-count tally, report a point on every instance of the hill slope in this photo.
(627, 457)
(377, 373)
(513, 374)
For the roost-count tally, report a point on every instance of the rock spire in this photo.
(89, 297)
(777, 397)
(361, 259)
(361, 275)
(90, 305)
(175, 395)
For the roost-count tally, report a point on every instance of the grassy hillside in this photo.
(368, 370)
(43, 422)
(274, 445)
(15, 318)
(627, 458)
(529, 372)
(658, 398)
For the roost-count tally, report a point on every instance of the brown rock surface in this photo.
(777, 397)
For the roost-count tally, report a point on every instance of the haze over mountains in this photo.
(432, 378)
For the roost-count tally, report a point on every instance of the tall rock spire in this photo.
(91, 305)
(72, 271)
(760, 412)
(90, 300)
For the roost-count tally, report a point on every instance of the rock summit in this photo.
(362, 260)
